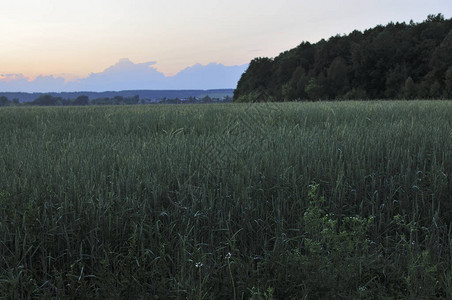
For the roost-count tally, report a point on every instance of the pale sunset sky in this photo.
(72, 39)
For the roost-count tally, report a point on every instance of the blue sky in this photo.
(51, 43)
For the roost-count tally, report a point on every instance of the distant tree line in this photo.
(4, 101)
(49, 100)
(194, 100)
(396, 61)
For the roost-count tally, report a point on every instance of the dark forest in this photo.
(396, 61)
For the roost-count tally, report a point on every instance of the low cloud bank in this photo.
(126, 75)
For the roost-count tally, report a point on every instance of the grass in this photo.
(262, 201)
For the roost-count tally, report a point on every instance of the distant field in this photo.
(245, 201)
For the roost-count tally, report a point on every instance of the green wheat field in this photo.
(227, 201)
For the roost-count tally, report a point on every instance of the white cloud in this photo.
(20, 83)
(11, 77)
(210, 76)
(126, 75)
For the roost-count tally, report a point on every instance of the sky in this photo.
(62, 41)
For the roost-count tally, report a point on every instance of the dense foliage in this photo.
(399, 60)
(248, 201)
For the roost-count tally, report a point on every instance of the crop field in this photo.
(227, 201)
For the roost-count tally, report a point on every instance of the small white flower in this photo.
(228, 256)
(199, 264)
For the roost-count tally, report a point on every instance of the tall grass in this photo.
(351, 199)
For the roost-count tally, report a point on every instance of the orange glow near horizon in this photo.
(11, 77)
(74, 39)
